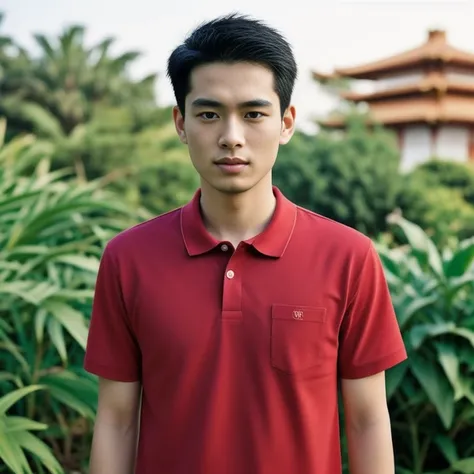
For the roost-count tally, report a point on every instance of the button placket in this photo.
(232, 288)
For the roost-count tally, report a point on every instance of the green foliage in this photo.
(353, 179)
(451, 174)
(101, 122)
(69, 78)
(432, 394)
(52, 232)
(439, 197)
(16, 437)
(102, 142)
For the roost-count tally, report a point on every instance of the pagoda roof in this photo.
(435, 49)
(433, 82)
(445, 110)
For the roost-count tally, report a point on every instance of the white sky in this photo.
(324, 33)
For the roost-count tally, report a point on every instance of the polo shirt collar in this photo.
(272, 242)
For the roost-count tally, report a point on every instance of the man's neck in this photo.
(237, 217)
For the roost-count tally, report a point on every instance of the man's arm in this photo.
(116, 428)
(368, 427)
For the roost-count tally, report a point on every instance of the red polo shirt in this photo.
(239, 351)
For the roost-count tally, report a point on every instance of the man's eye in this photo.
(254, 115)
(208, 115)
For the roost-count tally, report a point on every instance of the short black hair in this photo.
(231, 39)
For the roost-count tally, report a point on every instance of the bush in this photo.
(353, 180)
(436, 196)
(432, 393)
(52, 232)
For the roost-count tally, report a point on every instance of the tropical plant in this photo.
(15, 436)
(52, 232)
(103, 123)
(69, 78)
(432, 393)
(439, 197)
(353, 179)
(451, 174)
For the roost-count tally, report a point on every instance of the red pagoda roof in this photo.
(435, 49)
(433, 82)
(447, 109)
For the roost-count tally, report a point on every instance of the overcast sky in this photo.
(324, 33)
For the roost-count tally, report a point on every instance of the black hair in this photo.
(230, 39)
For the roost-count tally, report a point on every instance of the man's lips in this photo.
(232, 161)
(231, 165)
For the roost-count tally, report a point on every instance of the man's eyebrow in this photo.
(202, 102)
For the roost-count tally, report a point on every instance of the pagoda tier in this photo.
(425, 94)
(432, 82)
(430, 109)
(435, 52)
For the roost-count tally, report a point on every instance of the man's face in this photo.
(233, 125)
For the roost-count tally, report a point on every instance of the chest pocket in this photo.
(297, 336)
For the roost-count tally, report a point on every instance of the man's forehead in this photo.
(240, 75)
(232, 86)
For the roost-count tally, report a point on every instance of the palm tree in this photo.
(69, 79)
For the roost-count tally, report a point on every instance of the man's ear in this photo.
(178, 119)
(288, 125)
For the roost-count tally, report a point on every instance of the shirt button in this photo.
(230, 274)
(224, 247)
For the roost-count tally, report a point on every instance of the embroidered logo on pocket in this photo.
(298, 315)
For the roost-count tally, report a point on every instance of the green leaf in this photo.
(78, 393)
(420, 242)
(70, 400)
(73, 321)
(436, 386)
(12, 455)
(22, 289)
(39, 449)
(420, 332)
(11, 398)
(461, 260)
(45, 123)
(449, 361)
(465, 333)
(406, 313)
(90, 264)
(55, 331)
(464, 466)
(11, 377)
(457, 284)
(40, 319)
(390, 264)
(19, 423)
(401, 470)
(394, 377)
(9, 203)
(15, 352)
(78, 295)
(447, 447)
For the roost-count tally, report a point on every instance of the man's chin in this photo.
(234, 188)
(234, 185)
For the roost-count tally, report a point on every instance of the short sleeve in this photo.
(370, 339)
(112, 351)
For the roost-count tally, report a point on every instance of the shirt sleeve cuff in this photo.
(375, 367)
(112, 373)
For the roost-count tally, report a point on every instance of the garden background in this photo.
(86, 151)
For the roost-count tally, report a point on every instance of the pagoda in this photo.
(425, 95)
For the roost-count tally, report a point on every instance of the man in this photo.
(222, 330)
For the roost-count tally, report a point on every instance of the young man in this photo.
(222, 330)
